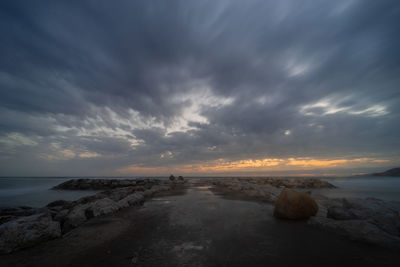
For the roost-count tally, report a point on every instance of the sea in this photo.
(38, 192)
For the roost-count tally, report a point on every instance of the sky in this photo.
(130, 88)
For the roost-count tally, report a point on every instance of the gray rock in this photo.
(37, 225)
(58, 203)
(101, 184)
(27, 231)
(373, 210)
(101, 207)
(370, 220)
(250, 188)
(61, 216)
(149, 192)
(82, 212)
(19, 211)
(277, 182)
(359, 230)
(120, 193)
(339, 213)
(6, 218)
(75, 217)
(130, 200)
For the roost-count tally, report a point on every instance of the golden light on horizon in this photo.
(266, 164)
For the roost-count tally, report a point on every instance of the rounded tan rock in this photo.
(294, 205)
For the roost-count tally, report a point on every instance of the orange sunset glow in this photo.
(259, 165)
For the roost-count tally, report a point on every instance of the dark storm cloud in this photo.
(115, 80)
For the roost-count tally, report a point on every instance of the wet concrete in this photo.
(198, 227)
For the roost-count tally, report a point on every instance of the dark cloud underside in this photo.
(96, 86)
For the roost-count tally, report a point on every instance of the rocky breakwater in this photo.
(368, 220)
(24, 226)
(266, 188)
(101, 184)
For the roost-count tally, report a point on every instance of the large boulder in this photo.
(294, 205)
(27, 231)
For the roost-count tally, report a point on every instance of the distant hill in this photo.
(391, 172)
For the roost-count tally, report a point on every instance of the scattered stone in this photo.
(294, 205)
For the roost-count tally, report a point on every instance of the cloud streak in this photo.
(97, 87)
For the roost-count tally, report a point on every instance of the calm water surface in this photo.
(386, 188)
(35, 192)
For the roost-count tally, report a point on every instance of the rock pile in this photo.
(266, 189)
(368, 220)
(27, 231)
(264, 192)
(102, 184)
(310, 183)
(24, 226)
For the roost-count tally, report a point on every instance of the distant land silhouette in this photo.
(391, 172)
